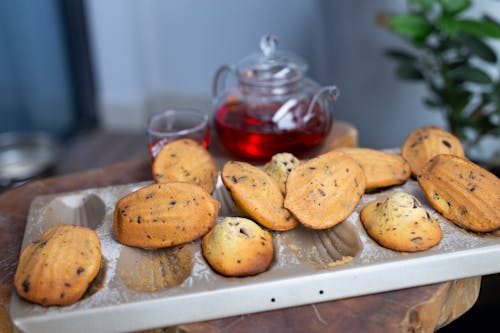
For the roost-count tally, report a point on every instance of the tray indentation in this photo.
(86, 210)
(154, 270)
(324, 248)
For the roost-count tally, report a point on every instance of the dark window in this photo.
(46, 81)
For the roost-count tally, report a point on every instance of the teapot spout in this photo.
(325, 98)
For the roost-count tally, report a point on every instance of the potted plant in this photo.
(451, 54)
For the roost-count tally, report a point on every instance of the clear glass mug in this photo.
(173, 124)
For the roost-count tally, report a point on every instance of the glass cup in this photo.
(173, 124)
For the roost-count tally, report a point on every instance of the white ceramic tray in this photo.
(137, 291)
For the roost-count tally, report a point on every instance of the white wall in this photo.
(152, 54)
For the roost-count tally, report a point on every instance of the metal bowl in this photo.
(26, 155)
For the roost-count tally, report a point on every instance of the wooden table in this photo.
(419, 309)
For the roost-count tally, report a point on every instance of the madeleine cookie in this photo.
(462, 192)
(381, 168)
(426, 142)
(185, 160)
(325, 190)
(238, 247)
(57, 268)
(279, 167)
(164, 215)
(257, 194)
(400, 223)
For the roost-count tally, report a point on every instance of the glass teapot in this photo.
(272, 106)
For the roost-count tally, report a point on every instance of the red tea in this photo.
(254, 138)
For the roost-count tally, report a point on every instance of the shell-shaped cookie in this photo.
(462, 192)
(185, 160)
(238, 247)
(381, 168)
(164, 215)
(400, 223)
(258, 195)
(57, 268)
(325, 190)
(426, 142)
(279, 167)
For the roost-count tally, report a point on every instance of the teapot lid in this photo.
(270, 66)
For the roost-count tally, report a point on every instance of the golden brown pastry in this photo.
(463, 192)
(426, 142)
(185, 160)
(381, 168)
(258, 195)
(238, 247)
(57, 268)
(164, 215)
(325, 190)
(279, 167)
(400, 223)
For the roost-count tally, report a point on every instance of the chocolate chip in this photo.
(416, 240)
(446, 143)
(26, 286)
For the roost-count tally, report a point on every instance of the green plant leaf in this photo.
(460, 100)
(454, 7)
(456, 99)
(426, 5)
(496, 90)
(457, 64)
(484, 124)
(479, 48)
(479, 28)
(433, 103)
(495, 95)
(497, 110)
(465, 94)
(439, 93)
(400, 55)
(410, 25)
(448, 25)
(491, 19)
(471, 74)
(408, 71)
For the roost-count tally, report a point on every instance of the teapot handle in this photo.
(218, 84)
(331, 93)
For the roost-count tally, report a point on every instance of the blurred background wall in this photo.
(147, 55)
(153, 54)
